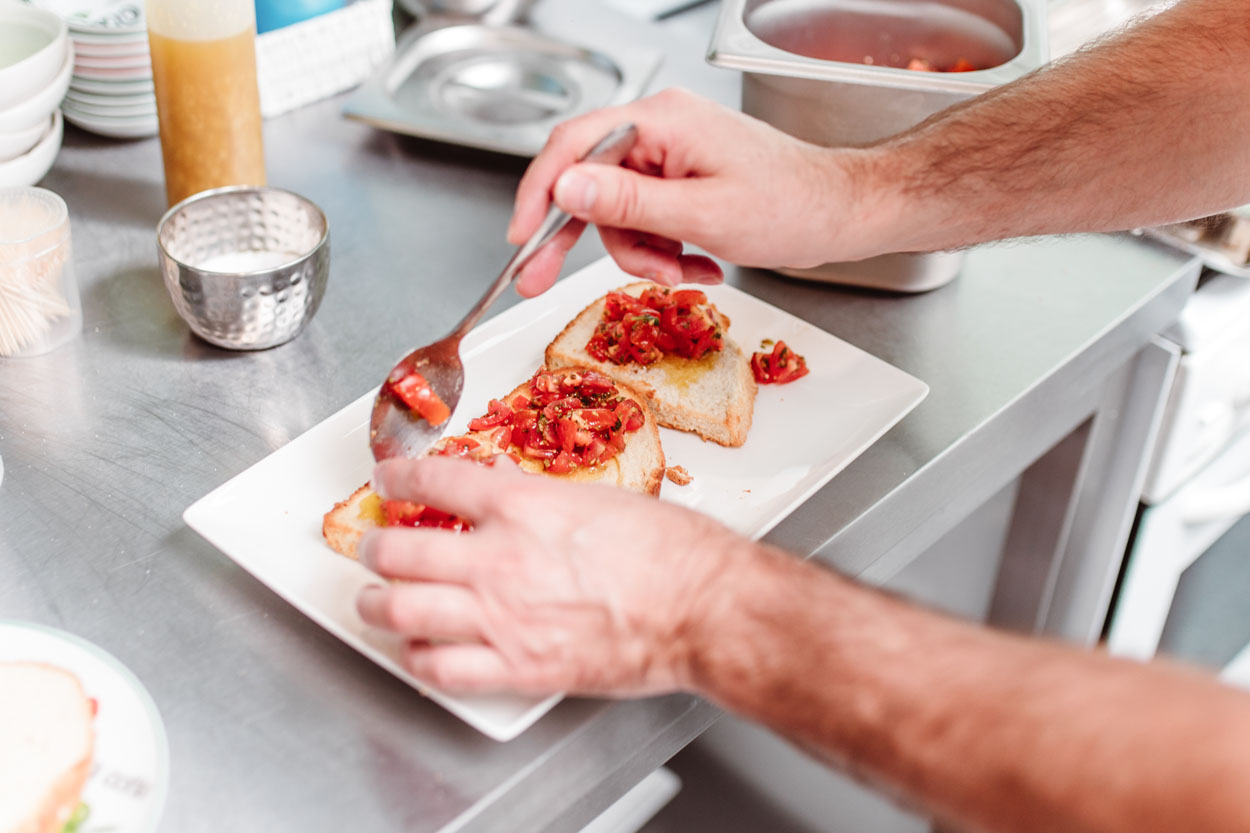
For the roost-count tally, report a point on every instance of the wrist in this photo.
(872, 218)
(740, 630)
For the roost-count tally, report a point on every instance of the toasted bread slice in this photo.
(46, 743)
(350, 519)
(639, 468)
(713, 397)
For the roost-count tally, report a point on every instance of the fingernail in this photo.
(370, 596)
(364, 549)
(576, 192)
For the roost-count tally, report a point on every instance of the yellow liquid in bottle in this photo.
(209, 111)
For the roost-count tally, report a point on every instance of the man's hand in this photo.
(559, 587)
(699, 174)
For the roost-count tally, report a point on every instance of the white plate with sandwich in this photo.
(82, 746)
(269, 518)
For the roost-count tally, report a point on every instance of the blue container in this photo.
(274, 14)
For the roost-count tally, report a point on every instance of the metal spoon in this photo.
(394, 429)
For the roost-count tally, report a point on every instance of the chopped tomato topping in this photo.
(566, 419)
(780, 366)
(660, 321)
(413, 390)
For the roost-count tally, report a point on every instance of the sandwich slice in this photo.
(46, 742)
(673, 347)
(571, 423)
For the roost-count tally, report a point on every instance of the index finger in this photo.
(461, 487)
(566, 144)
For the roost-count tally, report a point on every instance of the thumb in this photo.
(616, 197)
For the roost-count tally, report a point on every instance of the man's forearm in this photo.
(1148, 127)
(988, 731)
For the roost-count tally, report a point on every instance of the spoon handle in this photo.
(610, 150)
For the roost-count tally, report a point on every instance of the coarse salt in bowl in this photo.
(39, 306)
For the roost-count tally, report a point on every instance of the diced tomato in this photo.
(596, 419)
(597, 452)
(594, 383)
(619, 304)
(497, 414)
(963, 65)
(630, 415)
(414, 391)
(562, 463)
(779, 367)
(566, 429)
(538, 452)
(402, 512)
(501, 436)
(459, 446)
(688, 297)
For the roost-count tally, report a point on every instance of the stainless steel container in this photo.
(246, 266)
(833, 72)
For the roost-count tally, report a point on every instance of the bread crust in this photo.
(342, 527)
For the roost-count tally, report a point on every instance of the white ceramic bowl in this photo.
(36, 109)
(111, 111)
(33, 46)
(31, 166)
(16, 143)
(136, 61)
(146, 100)
(120, 128)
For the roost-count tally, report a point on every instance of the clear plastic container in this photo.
(207, 99)
(39, 306)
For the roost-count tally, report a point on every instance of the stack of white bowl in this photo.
(110, 92)
(36, 60)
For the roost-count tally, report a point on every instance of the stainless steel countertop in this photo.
(274, 724)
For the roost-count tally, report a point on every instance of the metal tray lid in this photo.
(499, 88)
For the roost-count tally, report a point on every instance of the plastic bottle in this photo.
(207, 101)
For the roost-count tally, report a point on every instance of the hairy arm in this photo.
(1147, 127)
(987, 731)
(592, 590)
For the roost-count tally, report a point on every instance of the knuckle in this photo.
(559, 134)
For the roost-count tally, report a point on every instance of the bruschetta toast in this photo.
(672, 347)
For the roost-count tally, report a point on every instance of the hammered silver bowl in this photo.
(245, 266)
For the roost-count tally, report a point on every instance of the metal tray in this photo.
(1210, 257)
(499, 88)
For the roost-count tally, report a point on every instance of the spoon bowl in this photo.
(396, 429)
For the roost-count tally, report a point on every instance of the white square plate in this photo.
(268, 519)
